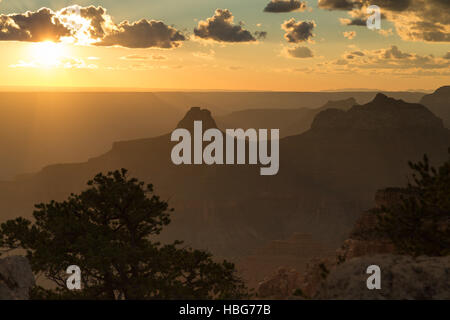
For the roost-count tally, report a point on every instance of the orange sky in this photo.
(197, 55)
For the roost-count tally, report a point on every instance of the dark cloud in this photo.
(143, 34)
(41, 25)
(96, 16)
(46, 25)
(357, 22)
(358, 53)
(416, 20)
(394, 5)
(221, 28)
(300, 52)
(298, 31)
(260, 34)
(427, 31)
(277, 6)
(336, 4)
(395, 53)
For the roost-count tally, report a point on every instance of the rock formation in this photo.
(197, 114)
(439, 103)
(281, 285)
(292, 253)
(382, 112)
(16, 278)
(402, 278)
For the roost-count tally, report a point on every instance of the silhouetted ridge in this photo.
(340, 104)
(382, 98)
(443, 90)
(439, 103)
(197, 114)
(382, 112)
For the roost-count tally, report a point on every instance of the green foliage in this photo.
(420, 223)
(108, 231)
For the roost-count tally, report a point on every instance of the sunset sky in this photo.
(224, 44)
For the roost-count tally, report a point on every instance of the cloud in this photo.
(336, 4)
(395, 5)
(395, 53)
(350, 34)
(205, 55)
(42, 25)
(414, 20)
(260, 34)
(358, 53)
(277, 6)
(143, 57)
(387, 62)
(96, 19)
(353, 22)
(390, 60)
(87, 25)
(297, 32)
(299, 52)
(143, 34)
(385, 32)
(221, 28)
(60, 63)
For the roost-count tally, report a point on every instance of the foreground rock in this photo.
(402, 278)
(281, 285)
(16, 278)
(291, 253)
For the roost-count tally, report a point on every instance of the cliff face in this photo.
(289, 121)
(327, 176)
(439, 103)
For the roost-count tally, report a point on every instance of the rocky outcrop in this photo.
(16, 278)
(402, 278)
(381, 113)
(279, 286)
(316, 273)
(439, 103)
(292, 253)
(364, 239)
(344, 275)
(197, 114)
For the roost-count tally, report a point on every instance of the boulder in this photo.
(16, 278)
(402, 278)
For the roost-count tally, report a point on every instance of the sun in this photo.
(48, 54)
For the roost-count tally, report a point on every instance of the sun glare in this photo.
(48, 54)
